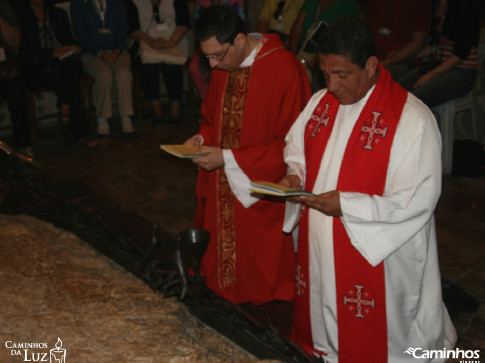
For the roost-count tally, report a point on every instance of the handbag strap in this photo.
(153, 14)
(310, 32)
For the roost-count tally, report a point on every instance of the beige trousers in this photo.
(103, 74)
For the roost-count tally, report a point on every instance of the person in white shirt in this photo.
(368, 283)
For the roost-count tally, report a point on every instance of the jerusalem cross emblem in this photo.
(373, 130)
(358, 301)
(299, 281)
(321, 119)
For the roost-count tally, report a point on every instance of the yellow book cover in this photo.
(181, 151)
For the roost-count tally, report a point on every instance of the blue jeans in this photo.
(444, 87)
(149, 80)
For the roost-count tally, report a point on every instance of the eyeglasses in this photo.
(219, 58)
(279, 10)
(156, 14)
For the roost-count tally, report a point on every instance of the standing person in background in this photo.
(11, 83)
(101, 29)
(278, 16)
(401, 29)
(256, 91)
(161, 24)
(50, 59)
(313, 18)
(199, 67)
(368, 278)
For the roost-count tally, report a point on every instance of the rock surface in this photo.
(53, 285)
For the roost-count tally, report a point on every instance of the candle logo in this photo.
(58, 354)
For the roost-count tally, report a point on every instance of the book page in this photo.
(276, 189)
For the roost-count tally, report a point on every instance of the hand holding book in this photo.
(206, 157)
(328, 203)
(269, 188)
(182, 151)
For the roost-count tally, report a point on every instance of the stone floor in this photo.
(133, 172)
(99, 311)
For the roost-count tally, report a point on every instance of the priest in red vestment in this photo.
(257, 90)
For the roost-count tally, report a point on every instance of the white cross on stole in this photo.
(358, 301)
(373, 130)
(320, 120)
(299, 281)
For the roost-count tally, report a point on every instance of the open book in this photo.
(277, 190)
(181, 151)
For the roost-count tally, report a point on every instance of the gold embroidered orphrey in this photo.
(232, 118)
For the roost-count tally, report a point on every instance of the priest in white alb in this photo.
(368, 284)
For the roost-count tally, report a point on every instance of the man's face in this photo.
(226, 56)
(345, 80)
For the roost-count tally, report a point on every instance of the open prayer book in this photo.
(181, 151)
(277, 190)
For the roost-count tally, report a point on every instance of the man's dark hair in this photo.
(349, 37)
(220, 22)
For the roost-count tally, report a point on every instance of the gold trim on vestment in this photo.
(232, 113)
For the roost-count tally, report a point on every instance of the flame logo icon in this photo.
(58, 354)
(410, 351)
(59, 343)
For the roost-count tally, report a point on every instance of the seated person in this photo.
(11, 84)
(400, 29)
(278, 16)
(161, 25)
(100, 27)
(454, 60)
(49, 57)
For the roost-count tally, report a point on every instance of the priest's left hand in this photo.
(327, 203)
(212, 158)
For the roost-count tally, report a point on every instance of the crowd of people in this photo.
(359, 256)
(51, 48)
(426, 45)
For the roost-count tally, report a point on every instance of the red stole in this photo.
(360, 287)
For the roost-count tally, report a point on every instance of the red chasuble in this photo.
(360, 287)
(250, 110)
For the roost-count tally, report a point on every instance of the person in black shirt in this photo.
(50, 59)
(452, 69)
(11, 85)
